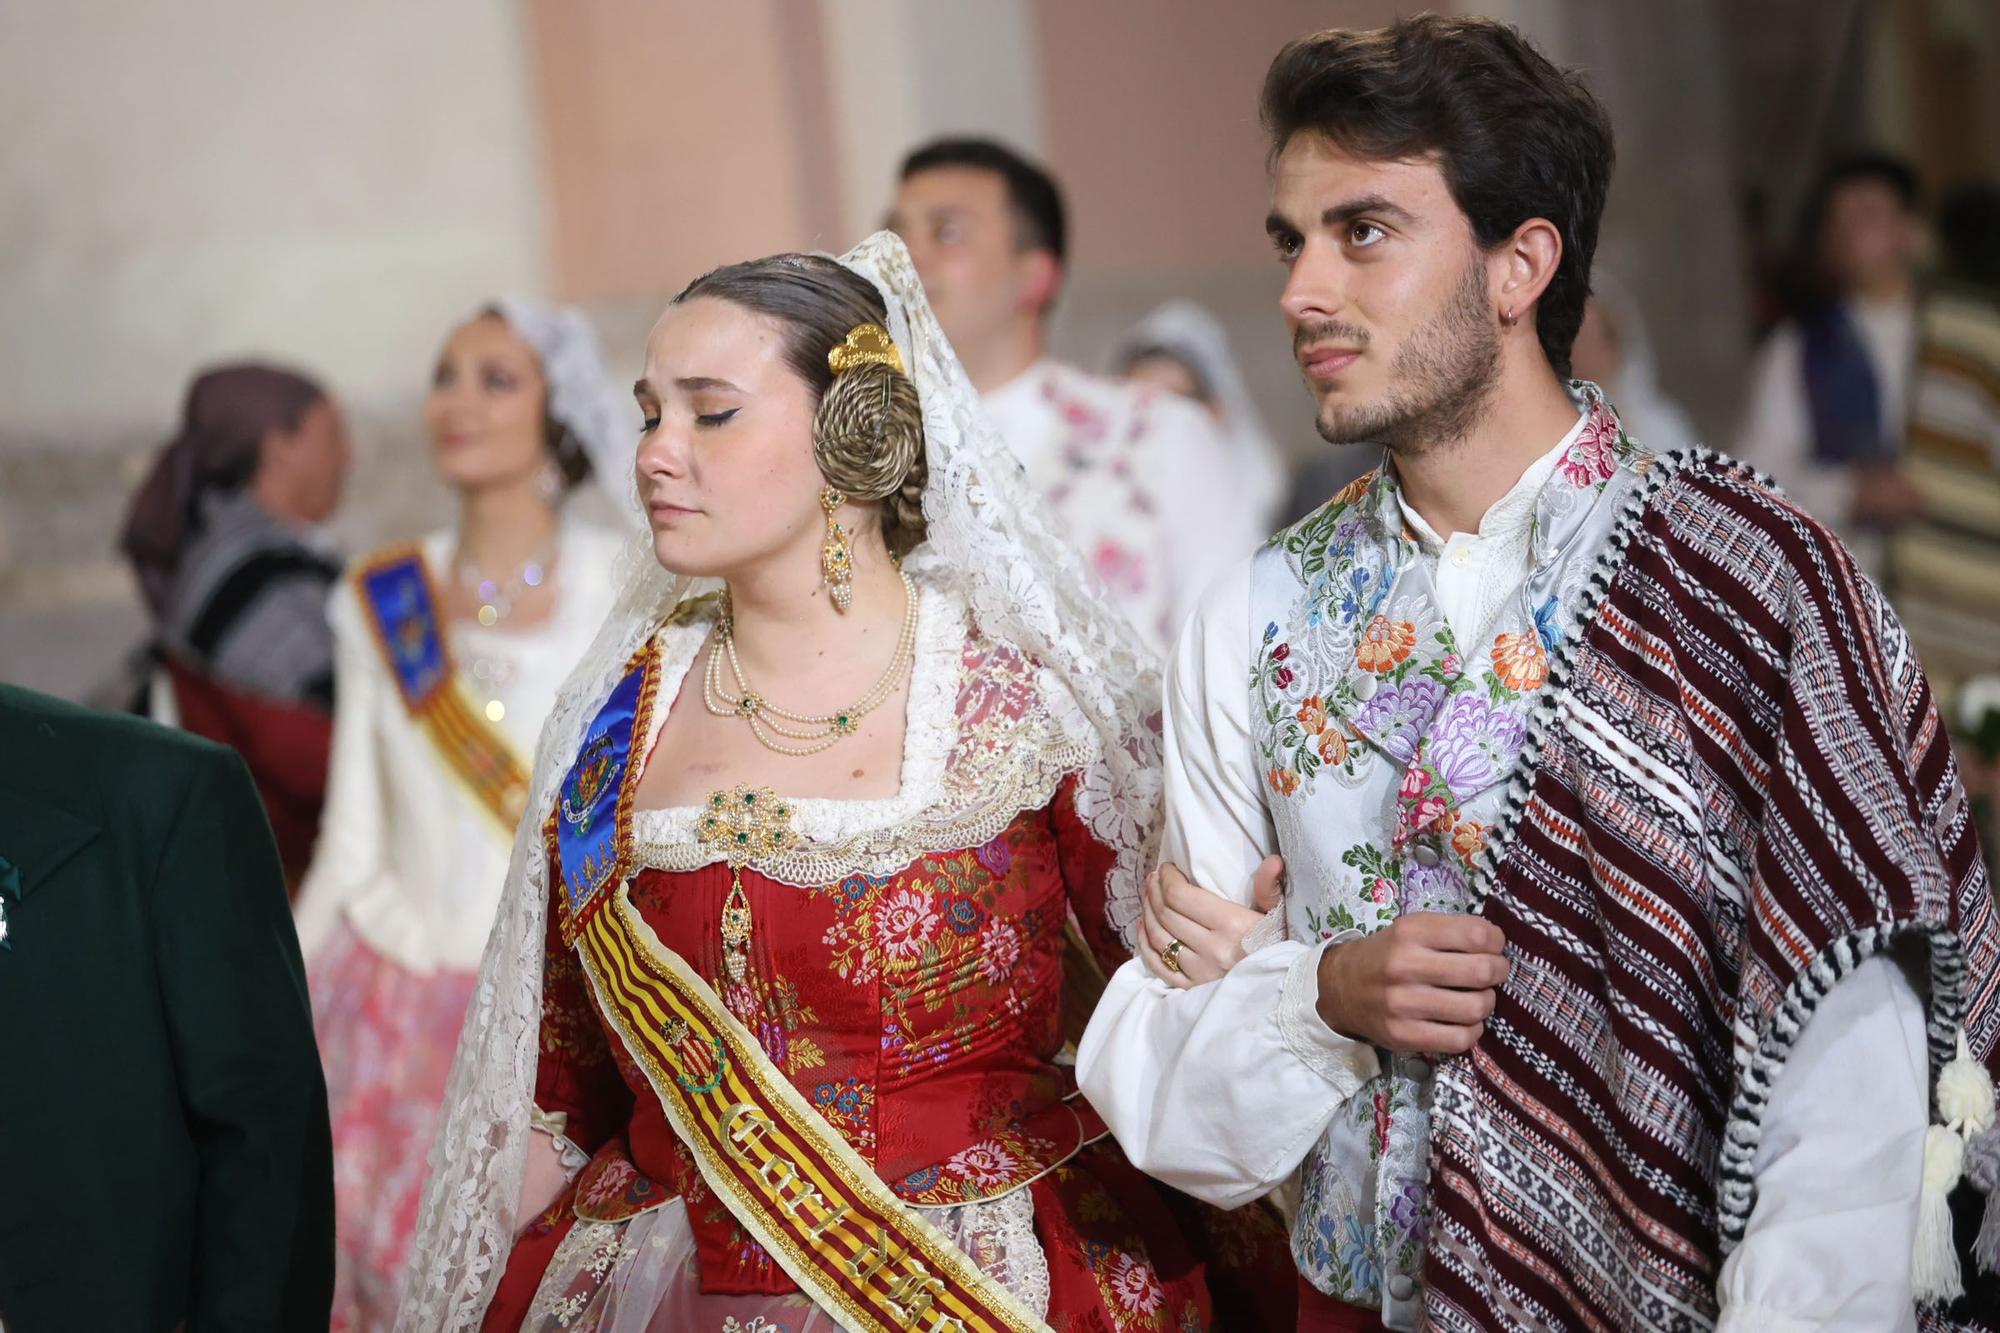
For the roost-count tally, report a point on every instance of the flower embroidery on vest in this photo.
(1385, 644)
(1519, 662)
(1599, 445)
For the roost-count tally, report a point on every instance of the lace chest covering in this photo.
(989, 734)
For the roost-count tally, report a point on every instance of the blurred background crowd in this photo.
(1798, 264)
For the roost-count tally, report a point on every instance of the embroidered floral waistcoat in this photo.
(1386, 745)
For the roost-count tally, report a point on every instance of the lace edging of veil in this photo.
(993, 540)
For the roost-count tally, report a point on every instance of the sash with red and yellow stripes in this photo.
(785, 1174)
(395, 589)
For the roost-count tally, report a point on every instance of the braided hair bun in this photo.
(868, 439)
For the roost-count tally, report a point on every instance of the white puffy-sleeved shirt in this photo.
(407, 857)
(1139, 480)
(1221, 1089)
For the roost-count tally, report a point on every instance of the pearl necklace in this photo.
(768, 722)
(491, 674)
(497, 599)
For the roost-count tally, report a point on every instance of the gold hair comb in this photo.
(866, 345)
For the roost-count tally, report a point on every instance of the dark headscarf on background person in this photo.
(229, 410)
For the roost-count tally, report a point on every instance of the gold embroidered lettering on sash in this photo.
(911, 1295)
(913, 1291)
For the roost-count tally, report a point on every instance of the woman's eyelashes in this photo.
(649, 418)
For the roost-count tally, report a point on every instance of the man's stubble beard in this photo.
(1443, 379)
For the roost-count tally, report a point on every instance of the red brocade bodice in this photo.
(919, 1012)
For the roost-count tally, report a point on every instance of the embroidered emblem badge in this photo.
(586, 783)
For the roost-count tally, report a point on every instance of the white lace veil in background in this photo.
(1197, 339)
(583, 399)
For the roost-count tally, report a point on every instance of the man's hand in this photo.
(1210, 927)
(1884, 497)
(1422, 986)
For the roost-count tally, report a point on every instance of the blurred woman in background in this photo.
(220, 537)
(1183, 349)
(448, 653)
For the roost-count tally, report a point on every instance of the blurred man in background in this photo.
(1831, 388)
(1138, 480)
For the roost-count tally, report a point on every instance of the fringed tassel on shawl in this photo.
(1934, 1274)
(1965, 1105)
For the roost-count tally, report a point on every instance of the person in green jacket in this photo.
(164, 1153)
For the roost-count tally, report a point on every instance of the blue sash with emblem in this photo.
(403, 607)
(590, 829)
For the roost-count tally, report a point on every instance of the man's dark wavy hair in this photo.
(1516, 136)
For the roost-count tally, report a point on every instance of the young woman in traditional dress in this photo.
(767, 1038)
(448, 654)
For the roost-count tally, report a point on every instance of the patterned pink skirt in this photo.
(386, 1037)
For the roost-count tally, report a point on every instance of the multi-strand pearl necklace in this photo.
(768, 722)
(497, 598)
(491, 673)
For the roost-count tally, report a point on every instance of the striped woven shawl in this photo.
(1735, 791)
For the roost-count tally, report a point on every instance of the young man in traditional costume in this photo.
(1631, 902)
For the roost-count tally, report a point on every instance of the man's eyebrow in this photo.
(1367, 205)
(1363, 206)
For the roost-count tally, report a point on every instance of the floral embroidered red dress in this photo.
(905, 970)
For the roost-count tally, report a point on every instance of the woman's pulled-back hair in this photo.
(1515, 136)
(229, 411)
(868, 433)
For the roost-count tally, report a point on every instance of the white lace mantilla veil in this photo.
(991, 541)
(582, 397)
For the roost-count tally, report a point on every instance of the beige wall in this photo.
(1152, 114)
(782, 130)
(329, 183)
(680, 136)
(1152, 126)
